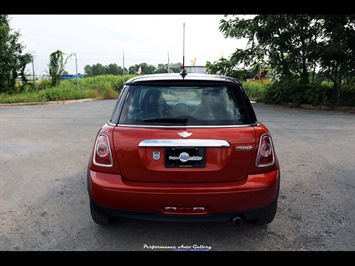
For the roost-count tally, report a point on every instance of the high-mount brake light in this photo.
(265, 156)
(103, 155)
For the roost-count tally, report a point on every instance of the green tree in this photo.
(223, 67)
(98, 70)
(114, 69)
(337, 51)
(88, 71)
(133, 69)
(149, 69)
(292, 46)
(56, 66)
(284, 43)
(12, 59)
(146, 69)
(162, 68)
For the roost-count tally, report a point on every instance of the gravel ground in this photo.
(44, 204)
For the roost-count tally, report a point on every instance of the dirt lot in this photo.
(44, 204)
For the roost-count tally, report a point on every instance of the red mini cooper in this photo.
(183, 148)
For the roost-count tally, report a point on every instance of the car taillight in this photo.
(265, 156)
(102, 151)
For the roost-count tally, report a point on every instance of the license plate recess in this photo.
(184, 157)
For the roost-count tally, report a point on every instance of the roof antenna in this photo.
(183, 72)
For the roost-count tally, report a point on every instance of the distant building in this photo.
(196, 69)
(37, 78)
(189, 69)
(70, 76)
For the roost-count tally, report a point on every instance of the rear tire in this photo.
(98, 217)
(267, 218)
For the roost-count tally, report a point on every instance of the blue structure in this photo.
(70, 76)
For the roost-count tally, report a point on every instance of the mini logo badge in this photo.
(185, 134)
(156, 155)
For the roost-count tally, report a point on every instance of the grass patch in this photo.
(99, 87)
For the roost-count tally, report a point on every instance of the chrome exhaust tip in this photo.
(237, 220)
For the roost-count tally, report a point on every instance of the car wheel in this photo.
(99, 218)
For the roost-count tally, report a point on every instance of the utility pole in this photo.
(168, 64)
(123, 70)
(33, 73)
(76, 70)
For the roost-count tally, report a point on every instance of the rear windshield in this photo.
(181, 105)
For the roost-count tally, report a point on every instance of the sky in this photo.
(125, 40)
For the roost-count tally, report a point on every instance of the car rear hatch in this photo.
(184, 154)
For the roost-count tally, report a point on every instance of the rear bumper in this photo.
(250, 199)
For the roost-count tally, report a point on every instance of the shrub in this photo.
(254, 90)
